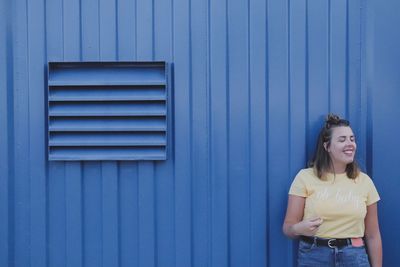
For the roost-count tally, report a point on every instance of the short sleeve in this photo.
(298, 187)
(372, 195)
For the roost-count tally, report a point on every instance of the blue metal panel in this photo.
(200, 135)
(238, 134)
(182, 133)
(218, 117)
(384, 63)
(257, 133)
(251, 82)
(6, 126)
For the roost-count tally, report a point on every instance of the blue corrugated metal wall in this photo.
(252, 80)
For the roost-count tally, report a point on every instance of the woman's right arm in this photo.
(294, 225)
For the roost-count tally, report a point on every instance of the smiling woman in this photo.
(332, 205)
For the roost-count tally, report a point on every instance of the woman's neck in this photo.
(338, 168)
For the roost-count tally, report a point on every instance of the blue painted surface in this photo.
(251, 82)
(385, 91)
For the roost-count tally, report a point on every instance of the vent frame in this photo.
(102, 98)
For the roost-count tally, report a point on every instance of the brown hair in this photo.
(321, 161)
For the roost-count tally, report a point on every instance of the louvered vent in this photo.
(107, 110)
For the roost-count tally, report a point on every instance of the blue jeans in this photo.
(311, 255)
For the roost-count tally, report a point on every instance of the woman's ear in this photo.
(326, 146)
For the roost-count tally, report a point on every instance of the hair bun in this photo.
(335, 120)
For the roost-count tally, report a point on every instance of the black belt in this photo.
(332, 243)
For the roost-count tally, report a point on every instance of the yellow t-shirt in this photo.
(341, 202)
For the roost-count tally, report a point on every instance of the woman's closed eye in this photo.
(343, 139)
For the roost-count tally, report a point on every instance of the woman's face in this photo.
(342, 148)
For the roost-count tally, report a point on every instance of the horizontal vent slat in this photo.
(104, 83)
(105, 98)
(104, 114)
(74, 128)
(107, 153)
(106, 93)
(107, 108)
(106, 74)
(104, 143)
(107, 139)
(107, 123)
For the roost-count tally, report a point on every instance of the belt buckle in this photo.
(329, 243)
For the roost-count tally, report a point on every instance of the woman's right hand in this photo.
(307, 227)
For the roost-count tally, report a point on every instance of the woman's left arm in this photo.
(373, 236)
